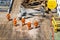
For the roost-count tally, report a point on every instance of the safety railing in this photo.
(5, 4)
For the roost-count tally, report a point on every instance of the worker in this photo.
(23, 21)
(29, 25)
(35, 24)
(14, 22)
(8, 16)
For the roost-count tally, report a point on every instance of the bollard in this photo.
(14, 22)
(36, 24)
(29, 25)
(8, 16)
(23, 21)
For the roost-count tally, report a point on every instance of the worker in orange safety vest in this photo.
(14, 22)
(8, 16)
(35, 24)
(23, 21)
(29, 25)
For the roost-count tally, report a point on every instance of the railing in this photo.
(5, 4)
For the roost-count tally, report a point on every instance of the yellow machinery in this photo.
(56, 23)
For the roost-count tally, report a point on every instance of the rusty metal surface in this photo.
(41, 33)
(6, 28)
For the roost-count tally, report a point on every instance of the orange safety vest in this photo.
(23, 20)
(35, 23)
(15, 21)
(8, 16)
(29, 25)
